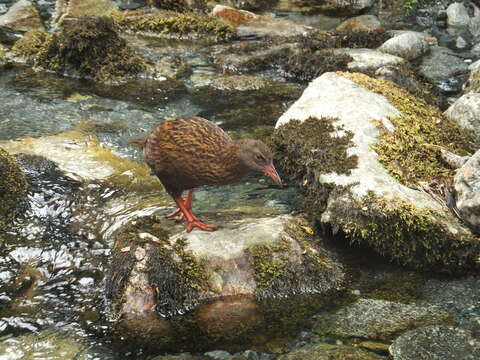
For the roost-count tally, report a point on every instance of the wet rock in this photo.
(13, 186)
(172, 66)
(184, 356)
(436, 342)
(466, 112)
(355, 188)
(457, 15)
(220, 277)
(362, 22)
(8, 36)
(22, 16)
(442, 64)
(369, 60)
(89, 47)
(248, 4)
(253, 355)
(169, 24)
(329, 352)
(378, 319)
(218, 355)
(251, 25)
(467, 186)
(49, 345)
(82, 158)
(408, 46)
(77, 8)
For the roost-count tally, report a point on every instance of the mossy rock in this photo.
(13, 186)
(177, 5)
(356, 194)
(172, 24)
(411, 152)
(89, 47)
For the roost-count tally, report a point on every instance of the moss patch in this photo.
(13, 186)
(278, 271)
(89, 47)
(173, 24)
(411, 153)
(305, 150)
(405, 234)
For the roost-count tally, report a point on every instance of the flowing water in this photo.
(53, 259)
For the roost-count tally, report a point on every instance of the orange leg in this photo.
(188, 205)
(192, 220)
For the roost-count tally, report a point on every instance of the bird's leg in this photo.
(192, 220)
(188, 205)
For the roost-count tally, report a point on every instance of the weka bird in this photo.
(188, 152)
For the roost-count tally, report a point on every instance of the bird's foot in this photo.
(174, 213)
(201, 225)
(179, 216)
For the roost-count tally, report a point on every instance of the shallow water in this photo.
(53, 260)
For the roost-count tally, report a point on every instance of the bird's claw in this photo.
(201, 225)
(173, 214)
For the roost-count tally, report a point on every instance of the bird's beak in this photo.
(270, 171)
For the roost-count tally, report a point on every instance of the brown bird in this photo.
(188, 152)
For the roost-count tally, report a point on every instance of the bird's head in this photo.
(257, 157)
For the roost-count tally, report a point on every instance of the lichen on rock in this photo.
(88, 47)
(13, 186)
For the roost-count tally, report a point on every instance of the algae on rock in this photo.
(13, 186)
(164, 23)
(88, 46)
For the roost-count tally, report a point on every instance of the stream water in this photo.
(53, 259)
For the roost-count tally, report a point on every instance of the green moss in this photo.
(29, 46)
(13, 186)
(278, 272)
(174, 5)
(173, 24)
(173, 271)
(88, 46)
(405, 234)
(411, 153)
(305, 150)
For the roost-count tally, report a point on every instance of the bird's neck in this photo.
(233, 161)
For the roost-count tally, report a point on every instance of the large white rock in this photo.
(365, 60)
(408, 46)
(457, 15)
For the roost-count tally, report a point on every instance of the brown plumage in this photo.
(189, 152)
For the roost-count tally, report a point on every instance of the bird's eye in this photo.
(259, 157)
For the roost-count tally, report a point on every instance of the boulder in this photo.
(436, 342)
(466, 113)
(78, 8)
(408, 46)
(222, 279)
(467, 186)
(457, 15)
(365, 163)
(22, 16)
(378, 319)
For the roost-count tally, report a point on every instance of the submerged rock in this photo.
(82, 158)
(355, 172)
(466, 113)
(330, 352)
(220, 280)
(22, 16)
(378, 319)
(436, 342)
(13, 186)
(467, 186)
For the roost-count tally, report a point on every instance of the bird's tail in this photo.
(140, 143)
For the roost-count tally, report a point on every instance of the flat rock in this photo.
(378, 319)
(366, 60)
(436, 343)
